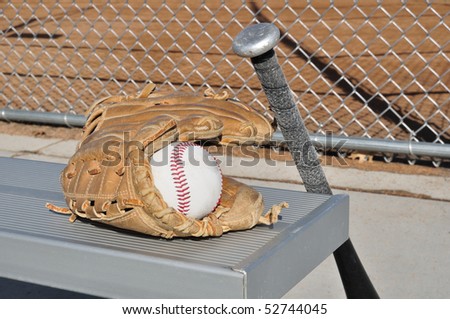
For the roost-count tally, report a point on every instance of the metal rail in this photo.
(338, 143)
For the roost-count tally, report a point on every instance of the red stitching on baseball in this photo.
(179, 177)
(221, 182)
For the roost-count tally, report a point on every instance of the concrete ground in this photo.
(403, 241)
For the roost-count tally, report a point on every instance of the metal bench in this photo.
(41, 247)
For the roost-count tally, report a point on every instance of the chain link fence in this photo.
(376, 69)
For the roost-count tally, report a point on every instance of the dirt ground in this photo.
(66, 54)
(376, 163)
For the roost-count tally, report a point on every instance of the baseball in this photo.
(188, 177)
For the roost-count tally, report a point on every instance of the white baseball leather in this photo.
(188, 177)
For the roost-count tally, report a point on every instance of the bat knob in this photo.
(256, 40)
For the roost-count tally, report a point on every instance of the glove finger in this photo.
(199, 127)
(157, 128)
(245, 207)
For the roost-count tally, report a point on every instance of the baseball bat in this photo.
(257, 42)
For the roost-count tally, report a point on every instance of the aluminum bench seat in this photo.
(42, 247)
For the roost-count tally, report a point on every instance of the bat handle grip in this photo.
(257, 42)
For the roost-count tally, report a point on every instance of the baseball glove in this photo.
(109, 178)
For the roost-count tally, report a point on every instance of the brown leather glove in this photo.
(109, 178)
